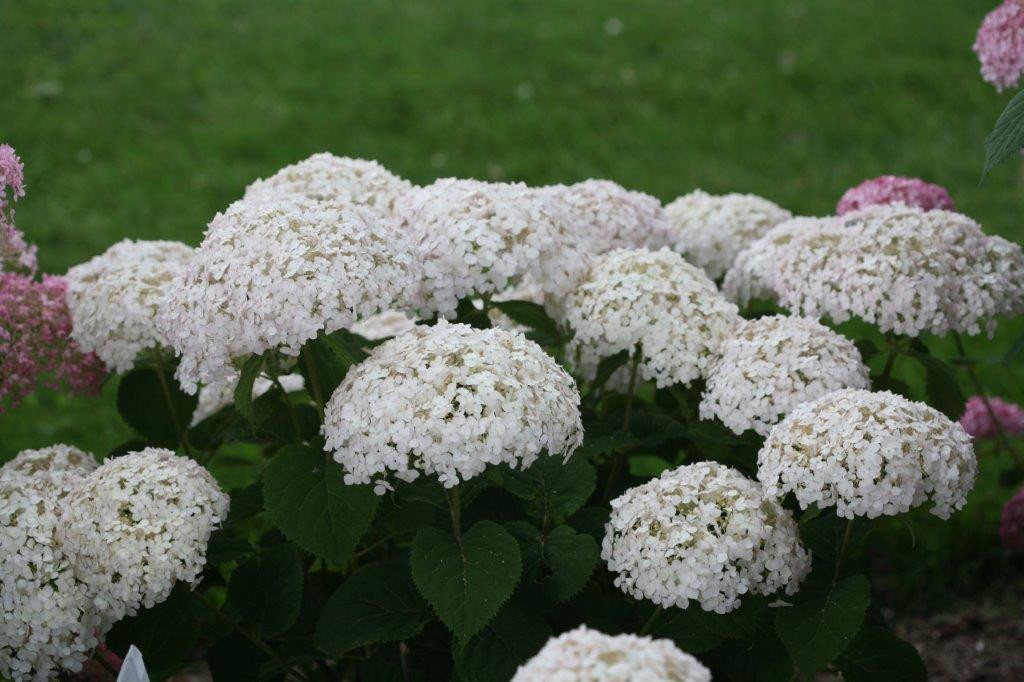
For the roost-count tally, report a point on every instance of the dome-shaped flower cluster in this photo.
(481, 237)
(710, 231)
(1011, 524)
(114, 298)
(1000, 45)
(983, 420)
(609, 216)
(274, 271)
(771, 365)
(654, 299)
(448, 400)
(583, 655)
(139, 523)
(904, 269)
(868, 454)
(895, 189)
(57, 458)
(336, 179)
(702, 532)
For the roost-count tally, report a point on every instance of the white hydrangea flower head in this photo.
(868, 454)
(655, 299)
(336, 179)
(54, 458)
(273, 272)
(752, 273)
(215, 397)
(711, 230)
(584, 655)
(903, 269)
(114, 298)
(137, 525)
(608, 216)
(482, 237)
(773, 364)
(48, 622)
(447, 401)
(705, 533)
(384, 325)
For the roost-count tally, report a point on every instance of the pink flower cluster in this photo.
(1011, 525)
(895, 189)
(1000, 45)
(35, 344)
(14, 252)
(977, 420)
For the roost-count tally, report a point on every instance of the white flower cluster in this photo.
(868, 454)
(655, 299)
(336, 179)
(383, 325)
(702, 532)
(274, 271)
(585, 655)
(481, 237)
(752, 273)
(114, 298)
(904, 269)
(447, 401)
(48, 621)
(773, 364)
(609, 216)
(137, 524)
(711, 230)
(215, 397)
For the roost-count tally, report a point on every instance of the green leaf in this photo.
(245, 503)
(944, 392)
(877, 655)
(1014, 351)
(223, 548)
(466, 580)
(243, 389)
(515, 635)
(823, 622)
(166, 633)
(306, 496)
(236, 658)
(378, 603)
(533, 316)
(267, 589)
(606, 368)
(559, 563)
(1007, 138)
(647, 466)
(696, 630)
(552, 489)
(157, 408)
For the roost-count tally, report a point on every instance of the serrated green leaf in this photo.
(877, 655)
(533, 316)
(157, 409)
(559, 563)
(306, 496)
(467, 579)
(243, 389)
(552, 489)
(823, 622)
(1007, 137)
(944, 392)
(267, 589)
(515, 634)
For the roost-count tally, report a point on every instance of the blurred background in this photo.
(144, 119)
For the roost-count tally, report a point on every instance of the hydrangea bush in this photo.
(493, 432)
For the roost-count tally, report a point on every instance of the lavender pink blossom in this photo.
(15, 253)
(1000, 45)
(35, 344)
(978, 422)
(1011, 525)
(895, 189)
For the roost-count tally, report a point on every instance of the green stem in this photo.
(102, 660)
(455, 505)
(651, 621)
(314, 379)
(619, 456)
(166, 389)
(842, 550)
(276, 380)
(890, 361)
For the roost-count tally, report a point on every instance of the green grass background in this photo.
(143, 119)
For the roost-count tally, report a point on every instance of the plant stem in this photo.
(842, 550)
(275, 379)
(166, 389)
(454, 504)
(314, 379)
(619, 456)
(1003, 437)
(102, 660)
(646, 629)
(891, 360)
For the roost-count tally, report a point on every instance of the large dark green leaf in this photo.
(606, 368)
(306, 496)
(467, 579)
(559, 563)
(516, 634)
(1007, 138)
(944, 392)
(326, 360)
(152, 403)
(877, 655)
(378, 603)
(236, 658)
(552, 489)
(267, 590)
(823, 622)
(243, 389)
(533, 316)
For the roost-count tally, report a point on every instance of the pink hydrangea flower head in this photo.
(895, 189)
(1000, 45)
(35, 344)
(1011, 525)
(15, 253)
(977, 419)
(12, 174)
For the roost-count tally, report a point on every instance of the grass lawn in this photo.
(145, 119)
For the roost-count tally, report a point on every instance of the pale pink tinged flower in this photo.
(1000, 45)
(12, 174)
(978, 422)
(35, 344)
(895, 189)
(15, 253)
(1011, 525)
